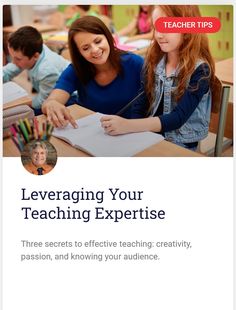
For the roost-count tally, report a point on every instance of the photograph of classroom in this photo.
(44, 82)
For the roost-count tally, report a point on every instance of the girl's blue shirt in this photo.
(111, 98)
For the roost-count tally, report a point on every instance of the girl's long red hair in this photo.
(194, 46)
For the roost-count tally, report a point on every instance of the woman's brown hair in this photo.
(84, 69)
(194, 46)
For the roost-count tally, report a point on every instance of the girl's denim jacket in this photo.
(196, 127)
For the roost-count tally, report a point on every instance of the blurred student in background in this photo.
(76, 11)
(105, 78)
(141, 26)
(28, 52)
(179, 76)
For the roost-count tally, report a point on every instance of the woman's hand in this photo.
(57, 113)
(54, 108)
(115, 125)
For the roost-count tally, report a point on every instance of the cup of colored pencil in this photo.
(24, 131)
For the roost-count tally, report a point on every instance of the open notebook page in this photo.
(90, 137)
(12, 91)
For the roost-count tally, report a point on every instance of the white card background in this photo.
(197, 196)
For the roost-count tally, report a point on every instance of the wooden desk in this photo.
(38, 26)
(224, 71)
(162, 149)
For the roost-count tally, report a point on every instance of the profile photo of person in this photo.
(39, 157)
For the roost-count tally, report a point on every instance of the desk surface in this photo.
(38, 26)
(162, 149)
(224, 71)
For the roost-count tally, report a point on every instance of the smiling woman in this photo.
(94, 48)
(105, 78)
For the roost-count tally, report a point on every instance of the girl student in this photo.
(105, 78)
(179, 74)
(78, 11)
(141, 26)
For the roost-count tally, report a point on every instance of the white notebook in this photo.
(12, 91)
(91, 138)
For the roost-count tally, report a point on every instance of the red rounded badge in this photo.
(187, 24)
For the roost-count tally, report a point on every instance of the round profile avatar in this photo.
(39, 157)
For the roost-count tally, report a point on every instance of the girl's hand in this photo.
(58, 114)
(115, 125)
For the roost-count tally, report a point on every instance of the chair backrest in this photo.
(222, 120)
(220, 98)
(216, 90)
